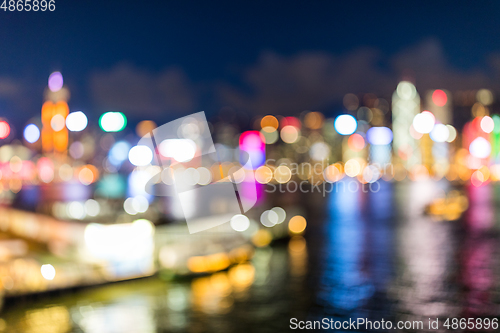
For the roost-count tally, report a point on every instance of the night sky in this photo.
(214, 44)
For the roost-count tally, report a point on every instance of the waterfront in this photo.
(365, 255)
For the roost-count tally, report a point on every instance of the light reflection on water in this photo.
(371, 255)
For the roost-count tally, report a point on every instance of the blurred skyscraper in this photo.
(405, 106)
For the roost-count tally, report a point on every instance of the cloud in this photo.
(18, 97)
(289, 84)
(140, 93)
(428, 66)
(317, 80)
(311, 80)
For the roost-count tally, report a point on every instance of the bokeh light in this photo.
(452, 133)
(181, 150)
(439, 97)
(314, 120)
(4, 129)
(440, 133)
(269, 121)
(424, 122)
(480, 148)
(76, 121)
(297, 224)
(240, 222)
(379, 136)
(484, 96)
(144, 127)
(55, 81)
(140, 155)
(48, 272)
(356, 142)
(57, 122)
(31, 133)
(345, 124)
(112, 121)
(487, 124)
(289, 134)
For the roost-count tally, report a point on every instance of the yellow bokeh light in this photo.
(88, 174)
(352, 168)
(332, 173)
(297, 224)
(263, 174)
(314, 120)
(145, 127)
(269, 121)
(289, 134)
(282, 174)
(262, 238)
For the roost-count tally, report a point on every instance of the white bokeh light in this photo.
(480, 148)
(240, 222)
(140, 155)
(345, 124)
(440, 133)
(48, 272)
(76, 121)
(424, 122)
(487, 124)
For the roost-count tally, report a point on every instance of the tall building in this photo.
(439, 103)
(54, 113)
(405, 106)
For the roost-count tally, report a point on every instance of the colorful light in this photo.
(240, 222)
(452, 133)
(356, 142)
(269, 121)
(289, 134)
(252, 140)
(48, 272)
(253, 144)
(406, 90)
(181, 150)
(439, 97)
(480, 148)
(484, 96)
(487, 124)
(88, 174)
(379, 136)
(112, 121)
(345, 124)
(290, 121)
(145, 127)
(118, 153)
(424, 122)
(127, 245)
(45, 168)
(314, 120)
(57, 122)
(76, 121)
(319, 151)
(31, 133)
(140, 155)
(440, 133)
(4, 129)
(297, 224)
(56, 81)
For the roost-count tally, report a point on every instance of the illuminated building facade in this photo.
(54, 113)
(405, 105)
(437, 151)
